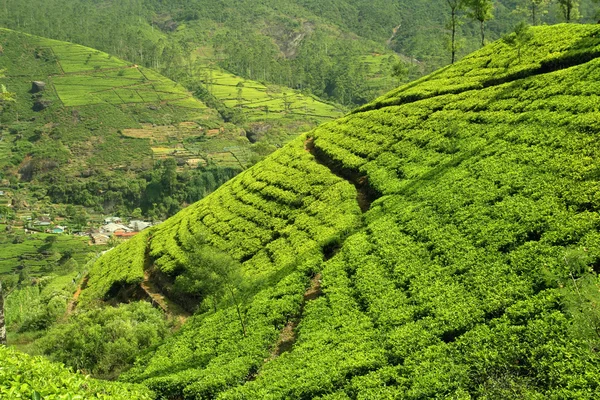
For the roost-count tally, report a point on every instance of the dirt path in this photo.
(171, 309)
(73, 303)
(394, 32)
(287, 337)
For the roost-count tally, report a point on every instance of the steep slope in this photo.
(452, 227)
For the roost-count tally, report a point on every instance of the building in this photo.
(138, 226)
(113, 227)
(99, 238)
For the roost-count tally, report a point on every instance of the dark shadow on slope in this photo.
(365, 193)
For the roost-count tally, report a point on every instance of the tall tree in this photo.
(481, 11)
(569, 8)
(519, 37)
(534, 9)
(400, 71)
(455, 7)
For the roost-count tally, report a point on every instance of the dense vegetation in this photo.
(472, 270)
(25, 377)
(103, 342)
(326, 47)
(440, 241)
(113, 136)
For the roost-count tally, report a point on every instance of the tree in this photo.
(212, 273)
(455, 6)
(480, 10)
(534, 9)
(569, 8)
(287, 103)
(519, 37)
(240, 98)
(400, 71)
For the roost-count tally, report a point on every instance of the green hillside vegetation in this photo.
(442, 241)
(25, 377)
(321, 47)
(101, 130)
(40, 252)
(84, 139)
(262, 103)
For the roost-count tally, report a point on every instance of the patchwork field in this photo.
(88, 76)
(38, 253)
(262, 102)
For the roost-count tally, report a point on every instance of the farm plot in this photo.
(261, 102)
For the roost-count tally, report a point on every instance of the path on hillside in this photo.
(73, 303)
(170, 308)
(287, 337)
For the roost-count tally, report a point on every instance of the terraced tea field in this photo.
(88, 76)
(34, 252)
(261, 102)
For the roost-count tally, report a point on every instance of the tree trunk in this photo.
(237, 306)
(482, 33)
(533, 13)
(453, 34)
(2, 322)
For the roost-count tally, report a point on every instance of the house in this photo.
(114, 220)
(113, 227)
(138, 226)
(43, 221)
(99, 238)
(125, 235)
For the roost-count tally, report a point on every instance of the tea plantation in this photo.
(440, 242)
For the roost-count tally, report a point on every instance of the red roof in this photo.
(122, 234)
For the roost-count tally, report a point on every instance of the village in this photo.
(101, 230)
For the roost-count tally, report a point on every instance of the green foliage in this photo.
(123, 266)
(25, 377)
(36, 307)
(473, 274)
(103, 342)
(18, 251)
(519, 38)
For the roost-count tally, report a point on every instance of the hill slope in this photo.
(92, 129)
(450, 229)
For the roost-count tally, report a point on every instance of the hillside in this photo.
(441, 241)
(99, 132)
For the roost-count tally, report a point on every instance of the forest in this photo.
(419, 219)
